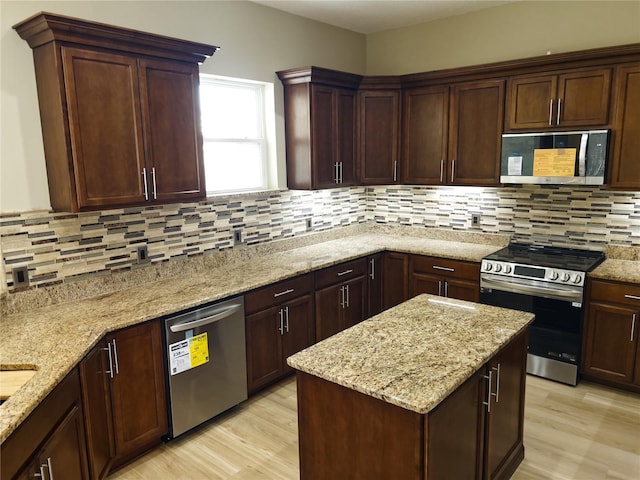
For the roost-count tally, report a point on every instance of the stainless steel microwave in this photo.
(555, 158)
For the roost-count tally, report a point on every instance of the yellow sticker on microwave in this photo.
(554, 162)
(199, 350)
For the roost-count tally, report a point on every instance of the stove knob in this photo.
(498, 267)
(507, 269)
(577, 278)
(488, 267)
(553, 275)
(565, 277)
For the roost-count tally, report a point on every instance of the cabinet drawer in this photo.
(341, 272)
(277, 293)
(445, 267)
(613, 292)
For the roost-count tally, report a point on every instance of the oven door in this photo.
(555, 336)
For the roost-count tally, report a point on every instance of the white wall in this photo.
(508, 32)
(255, 42)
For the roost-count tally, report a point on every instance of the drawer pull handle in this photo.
(285, 292)
(345, 272)
(446, 269)
(632, 297)
(633, 326)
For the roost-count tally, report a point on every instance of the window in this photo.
(236, 151)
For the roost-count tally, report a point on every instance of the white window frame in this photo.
(264, 92)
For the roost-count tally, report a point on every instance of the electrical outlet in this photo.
(143, 254)
(20, 276)
(475, 219)
(237, 237)
(308, 224)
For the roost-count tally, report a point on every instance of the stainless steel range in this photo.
(549, 282)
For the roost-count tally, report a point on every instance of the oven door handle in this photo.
(514, 287)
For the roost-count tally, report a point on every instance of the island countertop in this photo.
(415, 354)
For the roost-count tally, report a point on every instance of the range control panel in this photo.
(547, 274)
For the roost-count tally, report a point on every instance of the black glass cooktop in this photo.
(546, 256)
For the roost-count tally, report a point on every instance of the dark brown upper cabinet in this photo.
(320, 123)
(379, 131)
(452, 134)
(559, 100)
(119, 111)
(625, 152)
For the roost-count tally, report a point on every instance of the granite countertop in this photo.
(619, 270)
(53, 339)
(416, 354)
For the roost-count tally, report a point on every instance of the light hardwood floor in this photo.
(588, 432)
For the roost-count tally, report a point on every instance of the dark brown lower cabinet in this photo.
(375, 300)
(50, 443)
(395, 279)
(124, 396)
(475, 433)
(444, 277)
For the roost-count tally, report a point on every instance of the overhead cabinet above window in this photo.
(119, 111)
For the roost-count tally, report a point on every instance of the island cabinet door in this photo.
(505, 413)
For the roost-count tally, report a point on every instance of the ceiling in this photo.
(370, 16)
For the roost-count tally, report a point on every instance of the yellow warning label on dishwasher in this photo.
(199, 350)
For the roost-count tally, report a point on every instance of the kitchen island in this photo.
(430, 389)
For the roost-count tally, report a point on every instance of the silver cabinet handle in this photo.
(115, 356)
(439, 288)
(446, 269)
(286, 319)
(108, 349)
(281, 327)
(345, 272)
(633, 325)
(550, 112)
(341, 172)
(559, 109)
(285, 292)
(342, 296)
(441, 170)
(395, 171)
(336, 172)
(153, 177)
(488, 402)
(144, 180)
(372, 262)
(347, 289)
(50, 469)
(453, 169)
(446, 289)
(41, 474)
(632, 297)
(497, 393)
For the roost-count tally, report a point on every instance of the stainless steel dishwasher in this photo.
(206, 363)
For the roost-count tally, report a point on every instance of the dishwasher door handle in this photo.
(221, 315)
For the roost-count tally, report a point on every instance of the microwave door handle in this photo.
(582, 155)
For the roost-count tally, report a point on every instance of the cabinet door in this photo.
(103, 105)
(530, 102)
(505, 420)
(610, 344)
(138, 389)
(264, 347)
(455, 439)
(345, 135)
(299, 332)
(475, 132)
(625, 165)
(354, 307)
(425, 283)
(395, 283)
(63, 455)
(323, 137)
(328, 311)
(378, 136)
(94, 378)
(172, 133)
(425, 134)
(462, 289)
(583, 98)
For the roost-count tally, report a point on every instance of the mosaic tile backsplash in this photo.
(60, 247)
